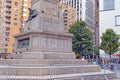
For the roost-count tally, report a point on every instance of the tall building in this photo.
(87, 10)
(84, 10)
(68, 15)
(13, 13)
(109, 15)
(96, 22)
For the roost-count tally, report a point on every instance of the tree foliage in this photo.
(82, 37)
(96, 51)
(110, 42)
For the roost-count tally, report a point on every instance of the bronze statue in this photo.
(32, 14)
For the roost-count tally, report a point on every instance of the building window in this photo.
(16, 3)
(7, 28)
(7, 33)
(25, 10)
(24, 14)
(25, 4)
(109, 4)
(25, 0)
(15, 13)
(15, 19)
(16, 9)
(6, 44)
(117, 20)
(13, 45)
(6, 39)
(5, 50)
(15, 23)
(7, 22)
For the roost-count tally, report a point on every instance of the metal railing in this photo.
(113, 67)
(42, 71)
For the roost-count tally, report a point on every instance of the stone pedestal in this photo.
(43, 45)
(44, 36)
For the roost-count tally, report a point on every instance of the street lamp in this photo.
(0, 53)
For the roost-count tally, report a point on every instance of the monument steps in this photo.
(44, 61)
(39, 70)
(46, 67)
(76, 76)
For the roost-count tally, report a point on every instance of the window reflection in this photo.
(109, 4)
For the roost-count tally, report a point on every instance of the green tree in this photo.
(82, 40)
(110, 42)
(96, 51)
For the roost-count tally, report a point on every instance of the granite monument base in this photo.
(43, 45)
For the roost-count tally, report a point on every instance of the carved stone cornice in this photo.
(42, 33)
(53, 1)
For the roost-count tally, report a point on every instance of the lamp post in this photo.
(0, 53)
(93, 55)
(105, 67)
